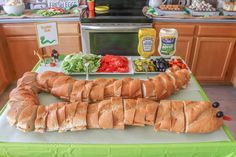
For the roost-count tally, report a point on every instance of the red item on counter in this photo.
(227, 118)
(177, 62)
(111, 63)
(91, 5)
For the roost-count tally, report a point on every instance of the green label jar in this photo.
(167, 42)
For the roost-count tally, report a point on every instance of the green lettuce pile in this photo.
(75, 63)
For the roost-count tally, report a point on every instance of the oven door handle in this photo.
(115, 28)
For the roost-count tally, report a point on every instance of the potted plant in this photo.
(90, 4)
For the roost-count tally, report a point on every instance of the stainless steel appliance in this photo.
(111, 38)
(115, 31)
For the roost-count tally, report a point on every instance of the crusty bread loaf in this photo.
(129, 111)
(79, 119)
(26, 118)
(163, 118)
(27, 114)
(105, 117)
(177, 116)
(41, 119)
(92, 116)
(117, 112)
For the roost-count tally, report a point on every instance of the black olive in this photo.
(215, 104)
(219, 114)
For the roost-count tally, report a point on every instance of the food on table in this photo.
(177, 62)
(115, 112)
(201, 5)
(229, 5)
(27, 114)
(75, 63)
(111, 63)
(141, 63)
(146, 42)
(170, 7)
(14, 7)
(51, 11)
(161, 64)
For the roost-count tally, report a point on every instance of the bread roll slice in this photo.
(52, 121)
(160, 88)
(105, 117)
(41, 119)
(206, 122)
(109, 90)
(15, 108)
(140, 112)
(29, 79)
(86, 92)
(60, 81)
(97, 93)
(163, 118)
(77, 90)
(168, 83)
(125, 87)
(26, 118)
(129, 111)
(63, 91)
(148, 89)
(117, 88)
(70, 113)
(193, 109)
(181, 77)
(135, 89)
(117, 112)
(52, 79)
(151, 111)
(79, 119)
(177, 117)
(61, 115)
(22, 94)
(92, 116)
(176, 80)
(42, 79)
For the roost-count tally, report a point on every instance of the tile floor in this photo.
(226, 95)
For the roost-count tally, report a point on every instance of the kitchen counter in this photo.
(159, 19)
(43, 19)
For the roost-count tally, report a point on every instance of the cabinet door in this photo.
(67, 44)
(3, 81)
(211, 58)
(21, 50)
(184, 47)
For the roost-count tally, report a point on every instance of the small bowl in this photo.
(14, 9)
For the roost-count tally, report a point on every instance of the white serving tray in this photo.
(130, 64)
(169, 12)
(155, 57)
(203, 13)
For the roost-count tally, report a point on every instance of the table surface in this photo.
(221, 148)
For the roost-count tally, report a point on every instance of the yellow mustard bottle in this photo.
(147, 40)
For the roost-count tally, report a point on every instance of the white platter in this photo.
(130, 64)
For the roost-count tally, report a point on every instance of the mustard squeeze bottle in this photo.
(147, 40)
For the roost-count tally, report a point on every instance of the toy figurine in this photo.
(55, 55)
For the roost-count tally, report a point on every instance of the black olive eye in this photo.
(219, 114)
(216, 104)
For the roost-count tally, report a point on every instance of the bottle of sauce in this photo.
(147, 40)
(167, 42)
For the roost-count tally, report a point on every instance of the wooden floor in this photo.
(226, 95)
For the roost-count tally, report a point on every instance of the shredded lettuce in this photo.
(74, 63)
